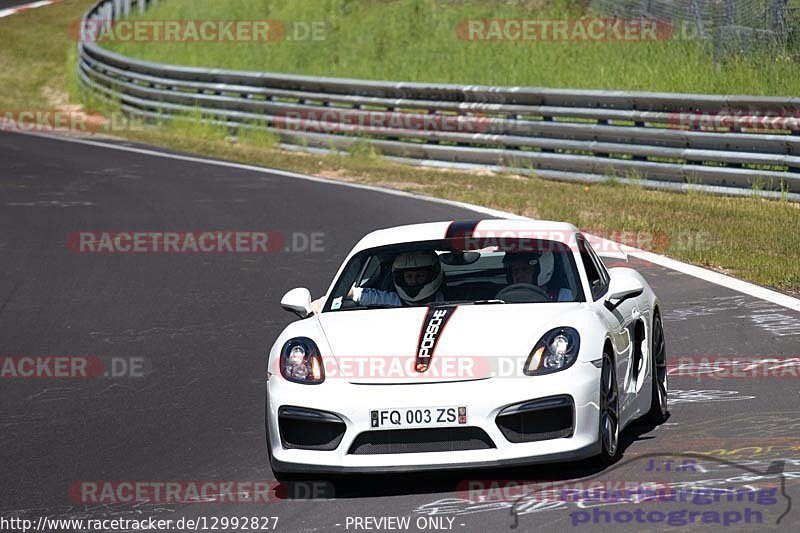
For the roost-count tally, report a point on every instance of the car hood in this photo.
(381, 345)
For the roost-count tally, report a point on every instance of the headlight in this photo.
(301, 362)
(556, 350)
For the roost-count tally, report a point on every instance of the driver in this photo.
(534, 268)
(417, 279)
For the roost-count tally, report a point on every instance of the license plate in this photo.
(417, 417)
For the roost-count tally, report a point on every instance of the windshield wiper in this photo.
(361, 307)
(466, 302)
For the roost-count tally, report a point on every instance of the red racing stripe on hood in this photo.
(460, 231)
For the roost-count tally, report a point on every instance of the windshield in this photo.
(443, 273)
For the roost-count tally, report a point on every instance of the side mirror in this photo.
(297, 301)
(624, 285)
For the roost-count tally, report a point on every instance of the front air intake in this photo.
(309, 429)
(543, 419)
(420, 441)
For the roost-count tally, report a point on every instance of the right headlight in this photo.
(301, 362)
(555, 351)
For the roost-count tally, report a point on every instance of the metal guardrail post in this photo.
(778, 14)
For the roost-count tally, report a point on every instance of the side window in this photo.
(604, 275)
(370, 270)
(349, 275)
(598, 282)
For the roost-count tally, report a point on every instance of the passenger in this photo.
(535, 268)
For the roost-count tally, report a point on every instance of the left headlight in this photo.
(556, 350)
(301, 362)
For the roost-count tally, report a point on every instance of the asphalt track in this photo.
(203, 324)
(14, 3)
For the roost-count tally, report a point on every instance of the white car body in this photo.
(477, 331)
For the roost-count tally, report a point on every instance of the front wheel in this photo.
(658, 355)
(609, 411)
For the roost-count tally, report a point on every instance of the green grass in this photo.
(34, 55)
(416, 40)
(749, 238)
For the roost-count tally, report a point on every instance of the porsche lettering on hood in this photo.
(435, 321)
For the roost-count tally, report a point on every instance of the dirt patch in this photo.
(58, 97)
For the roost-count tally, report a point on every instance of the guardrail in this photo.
(740, 145)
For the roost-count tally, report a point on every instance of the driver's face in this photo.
(521, 272)
(415, 278)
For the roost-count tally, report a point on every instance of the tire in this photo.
(658, 412)
(608, 421)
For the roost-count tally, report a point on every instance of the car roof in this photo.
(509, 228)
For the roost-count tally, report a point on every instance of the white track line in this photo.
(14, 10)
(704, 274)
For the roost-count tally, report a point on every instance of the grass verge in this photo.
(418, 40)
(753, 239)
(34, 56)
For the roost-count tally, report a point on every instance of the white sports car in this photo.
(464, 344)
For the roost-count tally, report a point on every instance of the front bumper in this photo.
(484, 399)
